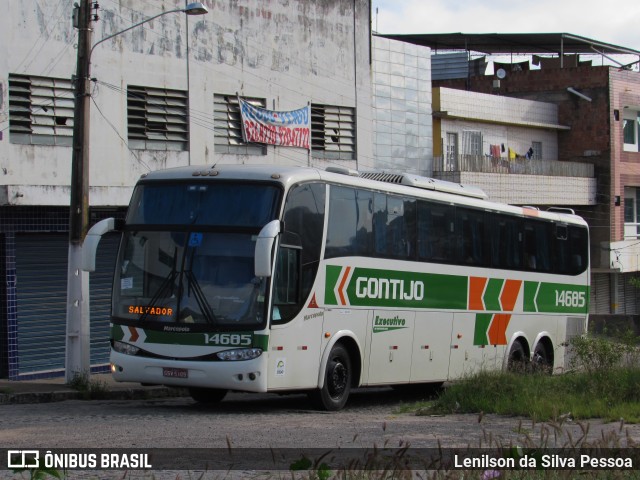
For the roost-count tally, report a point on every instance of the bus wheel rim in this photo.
(338, 379)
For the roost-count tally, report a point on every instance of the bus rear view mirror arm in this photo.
(264, 248)
(90, 244)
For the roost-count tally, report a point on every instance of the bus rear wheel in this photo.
(207, 395)
(517, 359)
(337, 381)
(541, 361)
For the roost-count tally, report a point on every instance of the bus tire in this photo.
(541, 361)
(337, 381)
(207, 395)
(517, 359)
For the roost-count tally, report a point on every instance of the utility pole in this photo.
(77, 361)
(77, 339)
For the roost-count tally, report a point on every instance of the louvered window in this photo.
(40, 110)
(227, 125)
(333, 132)
(158, 118)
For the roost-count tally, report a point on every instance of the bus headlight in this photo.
(240, 354)
(125, 348)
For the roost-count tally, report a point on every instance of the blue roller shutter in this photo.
(41, 268)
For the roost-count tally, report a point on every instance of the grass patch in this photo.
(610, 395)
(604, 382)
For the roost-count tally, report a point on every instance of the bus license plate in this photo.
(175, 372)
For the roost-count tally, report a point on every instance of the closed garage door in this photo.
(600, 294)
(41, 268)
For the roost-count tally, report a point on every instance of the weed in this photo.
(600, 354)
(90, 389)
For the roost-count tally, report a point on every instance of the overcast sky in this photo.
(610, 21)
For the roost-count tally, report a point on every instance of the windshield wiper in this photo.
(200, 297)
(160, 293)
(164, 286)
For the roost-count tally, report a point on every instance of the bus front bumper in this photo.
(244, 375)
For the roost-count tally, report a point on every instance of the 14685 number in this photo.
(570, 298)
(233, 339)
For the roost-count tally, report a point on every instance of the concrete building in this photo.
(163, 94)
(401, 77)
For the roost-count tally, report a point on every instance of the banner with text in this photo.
(288, 129)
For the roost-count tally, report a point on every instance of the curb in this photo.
(60, 396)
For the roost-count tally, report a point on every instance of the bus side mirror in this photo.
(263, 261)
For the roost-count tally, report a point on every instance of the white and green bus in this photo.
(275, 279)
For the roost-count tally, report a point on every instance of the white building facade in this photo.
(164, 94)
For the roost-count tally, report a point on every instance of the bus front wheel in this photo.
(207, 395)
(337, 381)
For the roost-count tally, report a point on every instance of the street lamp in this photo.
(77, 333)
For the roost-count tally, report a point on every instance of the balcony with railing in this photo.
(518, 166)
(521, 181)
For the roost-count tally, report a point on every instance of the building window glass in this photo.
(631, 213)
(227, 125)
(631, 130)
(157, 118)
(537, 150)
(333, 132)
(472, 142)
(40, 110)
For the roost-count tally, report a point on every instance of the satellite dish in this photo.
(501, 73)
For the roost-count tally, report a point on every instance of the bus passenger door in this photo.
(390, 347)
(431, 349)
(294, 351)
(467, 356)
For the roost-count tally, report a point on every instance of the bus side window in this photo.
(531, 262)
(506, 241)
(424, 225)
(364, 228)
(562, 249)
(579, 241)
(470, 235)
(341, 231)
(435, 231)
(380, 223)
(537, 238)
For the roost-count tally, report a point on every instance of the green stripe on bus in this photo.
(556, 298)
(480, 335)
(333, 273)
(212, 339)
(492, 294)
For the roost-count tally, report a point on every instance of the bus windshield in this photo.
(187, 255)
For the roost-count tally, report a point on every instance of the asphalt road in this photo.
(372, 417)
(252, 426)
